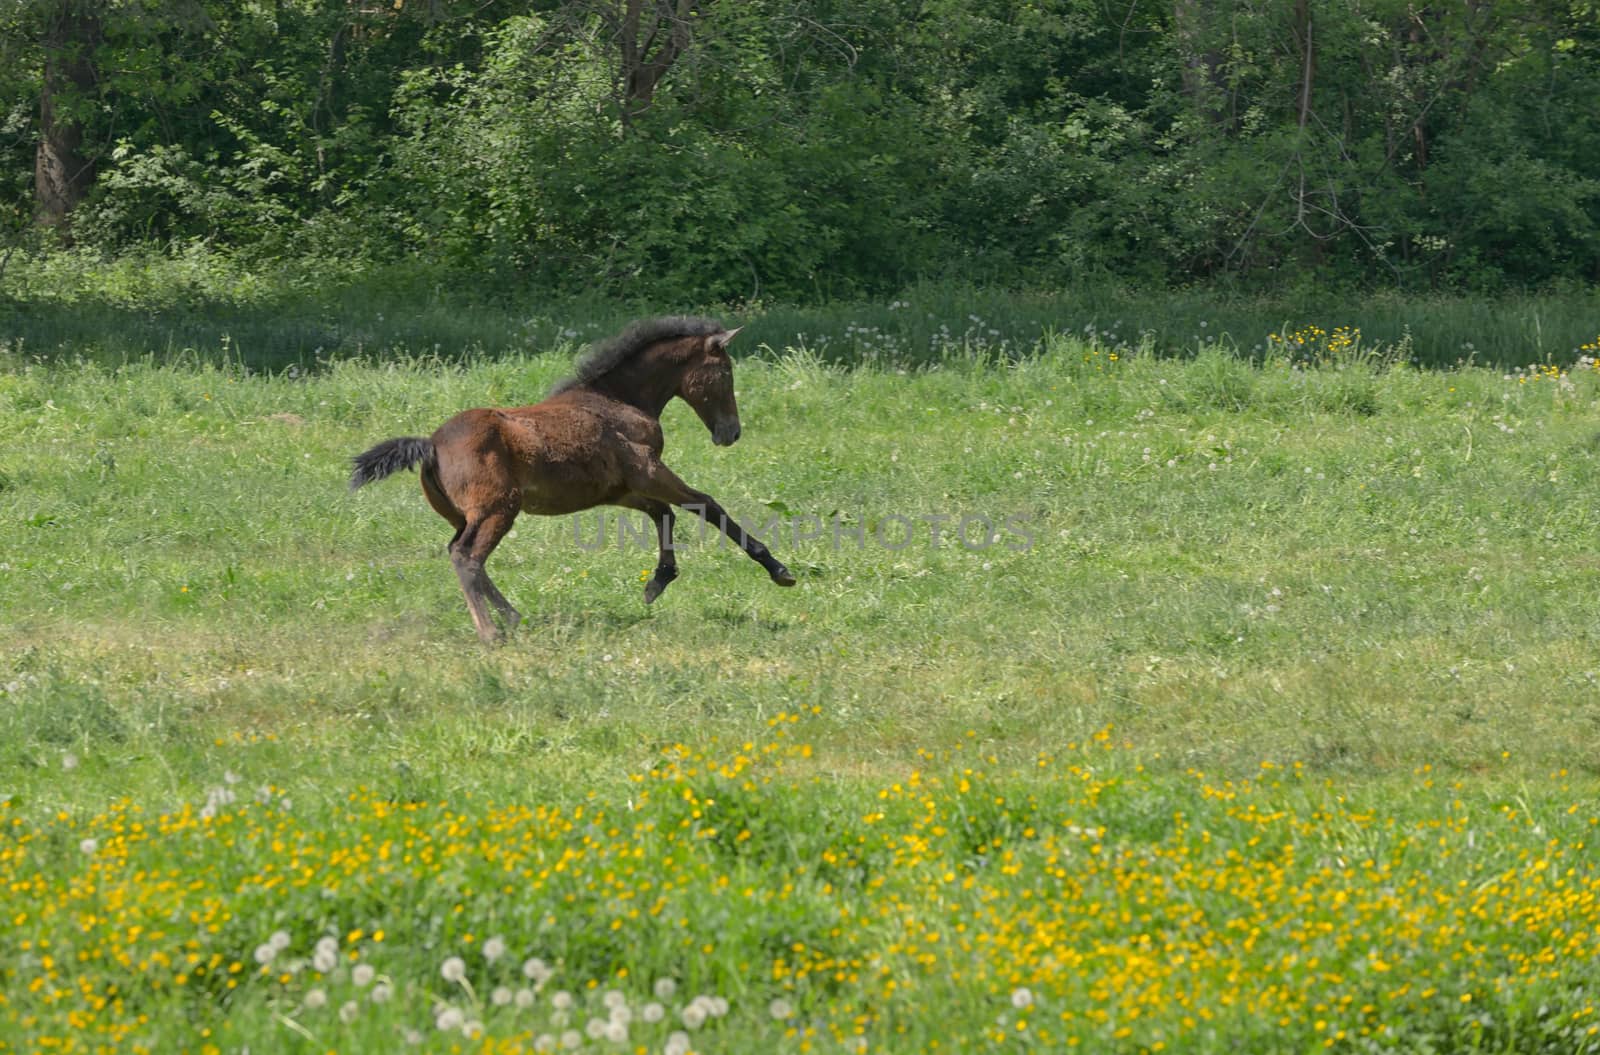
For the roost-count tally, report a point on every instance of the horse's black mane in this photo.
(606, 356)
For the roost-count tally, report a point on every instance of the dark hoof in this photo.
(783, 576)
(658, 583)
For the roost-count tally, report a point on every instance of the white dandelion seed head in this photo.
(324, 962)
(348, 1011)
(265, 952)
(69, 761)
(571, 1039)
(316, 998)
(595, 1027)
(472, 1029)
(329, 946)
(1021, 998)
(89, 846)
(362, 974)
(454, 969)
(412, 1037)
(718, 1006)
(279, 940)
(536, 970)
(449, 1020)
(494, 948)
(544, 1042)
(780, 1009)
(524, 998)
(500, 997)
(614, 999)
(382, 992)
(616, 1032)
(664, 988)
(677, 1044)
(653, 1013)
(694, 1016)
(562, 1000)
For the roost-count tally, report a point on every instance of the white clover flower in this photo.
(653, 1013)
(494, 948)
(316, 998)
(454, 969)
(780, 1009)
(664, 988)
(382, 992)
(1021, 998)
(500, 997)
(449, 1020)
(348, 1011)
(524, 998)
(362, 974)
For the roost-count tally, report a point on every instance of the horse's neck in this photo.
(639, 386)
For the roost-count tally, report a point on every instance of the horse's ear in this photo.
(719, 341)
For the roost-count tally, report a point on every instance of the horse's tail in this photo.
(391, 456)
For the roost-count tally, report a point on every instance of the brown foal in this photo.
(595, 441)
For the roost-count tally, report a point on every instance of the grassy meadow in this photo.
(1267, 721)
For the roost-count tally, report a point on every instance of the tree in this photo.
(63, 173)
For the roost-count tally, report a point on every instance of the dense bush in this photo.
(813, 148)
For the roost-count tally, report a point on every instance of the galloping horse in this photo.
(596, 440)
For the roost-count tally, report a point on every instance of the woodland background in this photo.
(710, 152)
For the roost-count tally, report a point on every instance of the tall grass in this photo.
(204, 304)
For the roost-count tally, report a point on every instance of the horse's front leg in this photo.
(667, 563)
(663, 485)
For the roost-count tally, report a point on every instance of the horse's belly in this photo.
(559, 501)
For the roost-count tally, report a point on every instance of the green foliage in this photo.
(813, 149)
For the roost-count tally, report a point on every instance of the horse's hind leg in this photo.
(468, 553)
(663, 485)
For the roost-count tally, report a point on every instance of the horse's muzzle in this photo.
(725, 433)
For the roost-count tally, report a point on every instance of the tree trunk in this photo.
(61, 174)
(648, 51)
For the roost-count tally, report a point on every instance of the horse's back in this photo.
(560, 456)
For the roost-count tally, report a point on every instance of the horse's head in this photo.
(707, 386)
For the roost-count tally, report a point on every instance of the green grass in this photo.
(306, 313)
(1379, 581)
